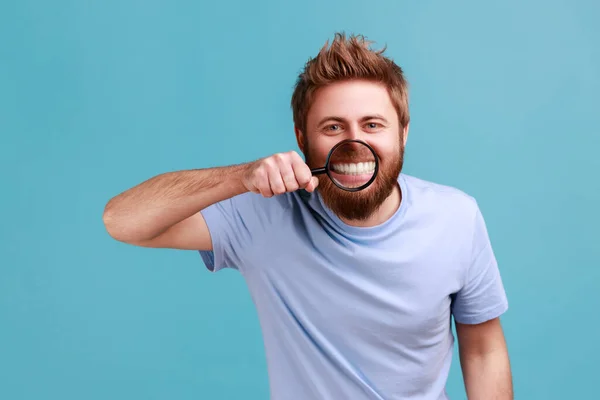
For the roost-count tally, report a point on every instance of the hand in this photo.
(278, 174)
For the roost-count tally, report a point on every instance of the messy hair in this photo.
(349, 58)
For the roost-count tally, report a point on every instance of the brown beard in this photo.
(358, 206)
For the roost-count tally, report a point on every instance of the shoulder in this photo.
(447, 207)
(244, 218)
(448, 210)
(438, 196)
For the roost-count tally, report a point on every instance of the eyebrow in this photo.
(340, 119)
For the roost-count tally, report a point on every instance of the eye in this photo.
(373, 125)
(333, 128)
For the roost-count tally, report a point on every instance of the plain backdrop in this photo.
(97, 96)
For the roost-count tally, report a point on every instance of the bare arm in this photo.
(164, 211)
(484, 361)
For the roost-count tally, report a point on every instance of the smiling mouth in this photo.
(360, 168)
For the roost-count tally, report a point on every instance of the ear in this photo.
(299, 138)
(405, 133)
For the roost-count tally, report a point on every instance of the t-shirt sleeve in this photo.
(234, 225)
(482, 296)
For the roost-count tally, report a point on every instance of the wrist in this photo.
(236, 177)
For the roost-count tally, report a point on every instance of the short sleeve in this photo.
(482, 296)
(236, 225)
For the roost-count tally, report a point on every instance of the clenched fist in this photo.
(278, 174)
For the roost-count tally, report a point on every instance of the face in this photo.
(354, 110)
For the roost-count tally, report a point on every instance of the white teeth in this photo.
(355, 168)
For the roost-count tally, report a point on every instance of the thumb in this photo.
(312, 185)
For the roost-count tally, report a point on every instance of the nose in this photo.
(354, 133)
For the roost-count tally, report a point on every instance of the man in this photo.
(355, 291)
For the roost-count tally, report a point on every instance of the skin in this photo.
(356, 110)
(484, 361)
(164, 211)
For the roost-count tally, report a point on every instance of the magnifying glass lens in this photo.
(352, 165)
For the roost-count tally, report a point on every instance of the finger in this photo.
(301, 171)
(261, 182)
(275, 180)
(288, 174)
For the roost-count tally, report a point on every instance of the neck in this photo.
(389, 206)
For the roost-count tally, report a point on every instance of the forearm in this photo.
(148, 209)
(487, 376)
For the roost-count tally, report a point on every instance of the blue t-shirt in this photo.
(359, 313)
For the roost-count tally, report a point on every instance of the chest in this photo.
(392, 292)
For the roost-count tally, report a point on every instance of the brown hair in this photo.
(346, 59)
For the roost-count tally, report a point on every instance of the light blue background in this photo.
(97, 96)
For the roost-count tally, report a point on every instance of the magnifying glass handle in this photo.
(318, 171)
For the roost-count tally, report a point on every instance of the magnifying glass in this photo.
(351, 164)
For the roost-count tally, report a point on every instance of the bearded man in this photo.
(355, 290)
